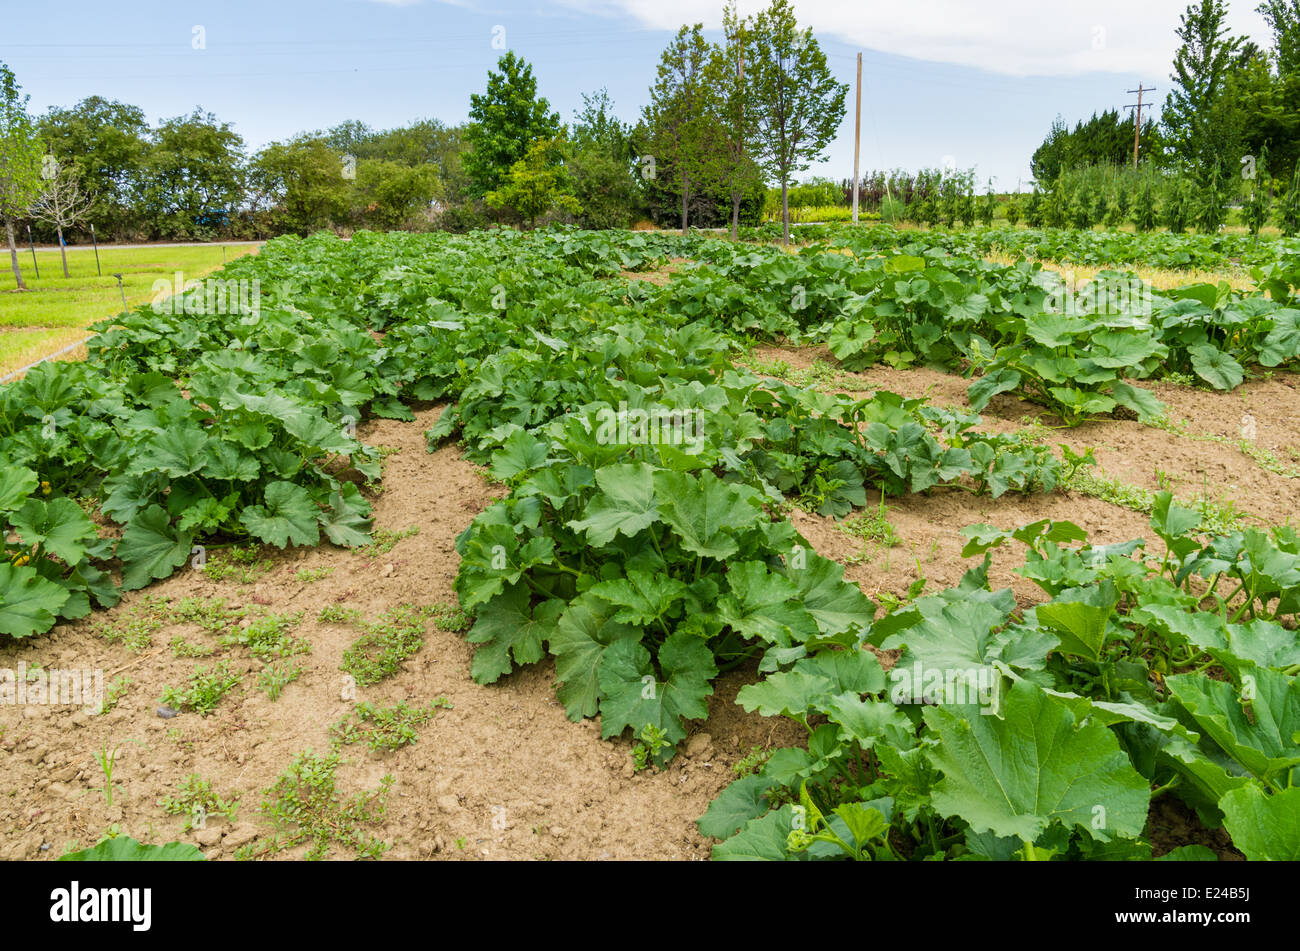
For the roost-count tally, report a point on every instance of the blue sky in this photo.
(976, 82)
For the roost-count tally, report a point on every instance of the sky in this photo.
(944, 81)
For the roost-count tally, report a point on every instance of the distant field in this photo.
(54, 309)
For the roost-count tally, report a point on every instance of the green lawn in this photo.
(54, 309)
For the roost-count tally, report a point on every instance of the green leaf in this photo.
(1265, 828)
(624, 506)
(1261, 740)
(761, 840)
(1015, 773)
(16, 484)
(29, 604)
(635, 698)
(177, 452)
(1216, 367)
(1080, 617)
(707, 513)
(579, 642)
(59, 525)
(642, 597)
(743, 800)
(289, 515)
(509, 626)
(151, 548)
(123, 848)
(521, 452)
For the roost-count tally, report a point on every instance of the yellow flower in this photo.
(45, 488)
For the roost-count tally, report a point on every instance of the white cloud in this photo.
(1013, 37)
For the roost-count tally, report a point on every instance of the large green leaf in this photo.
(289, 515)
(123, 848)
(1256, 724)
(707, 513)
(59, 525)
(635, 697)
(1266, 828)
(509, 626)
(28, 603)
(624, 506)
(151, 547)
(1033, 764)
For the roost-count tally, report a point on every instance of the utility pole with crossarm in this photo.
(1137, 119)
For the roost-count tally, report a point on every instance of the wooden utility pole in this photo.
(857, 141)
(1137, 119)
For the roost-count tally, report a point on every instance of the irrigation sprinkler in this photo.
(123, 291)
(32, 243)
(95, 242)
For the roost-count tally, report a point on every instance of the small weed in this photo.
(136, 629)
(268, 637)
(306, 806)
(275, 677)
(244, 564)
(205, 690)
(752, 761)
(196, 801)
(387, 642)
(384, 540)
(309, 575)
(183, 648)
(648, 747)
(870, 527)
(384, 728)
(113, 693)
(336, 614)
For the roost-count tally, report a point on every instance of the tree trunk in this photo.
(63, 249)
(785, 210)
(735, 215)
(686, 195)
(13, 254)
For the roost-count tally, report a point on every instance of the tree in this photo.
(737, 117)
(1201, 67)
(505, 121)
(193, 176)
(1290, 217)
(1144, 207)
(303, 182)
(799, 104)
(1213, 204)
(389, 194)
(537, 184)
(601, 163)
(1283, 17)
(681, 119)
(107, 141)
(62, 204)
(20, 161)
(1259, 203)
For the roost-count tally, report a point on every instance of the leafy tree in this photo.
(302, 181)
(1176, 207)
(1034, 211)
(1201, 68)
(601, 162)
(390, 194)
(988, 205)
(737, 117)
(1213, 204)
(505, 121)
(1290, 218)
(1283, 17)
(193, 178)
(20, 161)
(107, 141)
(799, 104)
(1144, 207)
(537, 184)
(681, 119)
(1013, 211)
(1258, 204)
(62, 204)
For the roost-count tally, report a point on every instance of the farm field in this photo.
(55, 310)
(522, 549)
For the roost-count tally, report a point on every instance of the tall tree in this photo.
(107, 141)
(799, 104)
(194, 175)
(20, 161)
(604, 182)
(1201, 68)
(681, 118)
(1283, 17)
(730, 73)
(505, 121)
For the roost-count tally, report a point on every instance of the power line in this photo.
(1137, 118)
